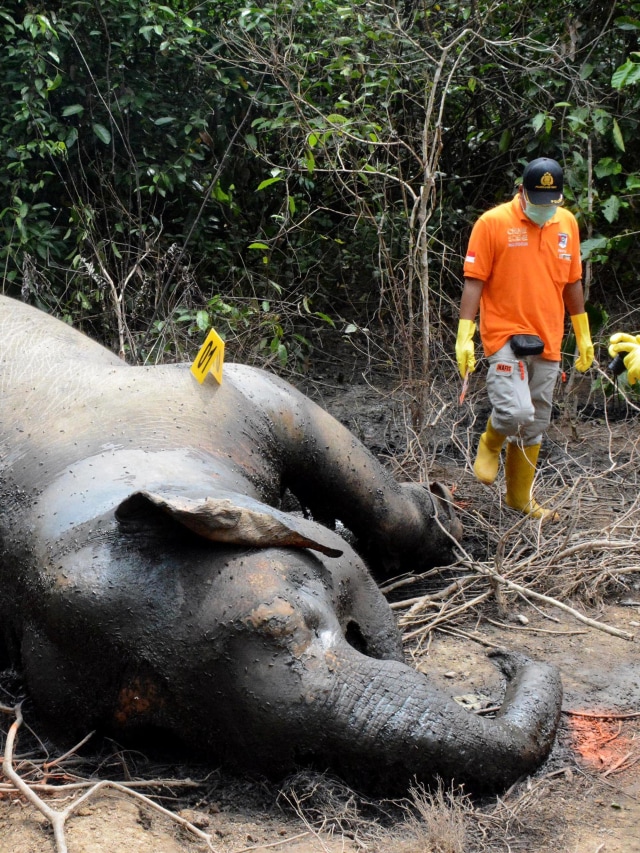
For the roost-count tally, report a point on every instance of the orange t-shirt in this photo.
(524, 269)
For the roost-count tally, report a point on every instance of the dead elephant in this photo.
(151, 584)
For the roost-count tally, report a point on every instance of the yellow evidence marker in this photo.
(210, 358)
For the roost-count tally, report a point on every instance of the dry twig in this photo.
(58, 818)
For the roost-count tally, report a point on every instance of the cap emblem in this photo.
(547, 182)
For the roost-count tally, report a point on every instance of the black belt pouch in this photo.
(524, 345)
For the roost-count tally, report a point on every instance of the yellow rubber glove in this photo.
(465, 350)
(621, 342)
(583, 339)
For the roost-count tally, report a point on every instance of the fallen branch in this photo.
(553, 602)
(591, 545)
(445, 616)
(435, 597)
(457, 632)
(49, 764)
(46, 788)
(593, 623)
(528, 628)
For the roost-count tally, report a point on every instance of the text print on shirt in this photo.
(517, 237)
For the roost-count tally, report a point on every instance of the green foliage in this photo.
(270, 167)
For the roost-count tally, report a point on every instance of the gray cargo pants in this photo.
(521, 393)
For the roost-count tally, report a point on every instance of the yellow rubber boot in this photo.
(519, 471)
(488, 456)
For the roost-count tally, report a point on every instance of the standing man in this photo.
(522, 270)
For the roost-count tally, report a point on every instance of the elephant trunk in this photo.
(385, 720)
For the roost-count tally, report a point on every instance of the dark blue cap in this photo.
(542, 181)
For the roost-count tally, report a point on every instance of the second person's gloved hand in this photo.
(630, 344)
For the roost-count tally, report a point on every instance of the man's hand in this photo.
(465, 350)
(580, 324)
(621, 342)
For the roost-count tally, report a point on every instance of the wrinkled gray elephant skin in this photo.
(152, 585)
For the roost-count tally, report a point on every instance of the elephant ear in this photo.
(236, 520)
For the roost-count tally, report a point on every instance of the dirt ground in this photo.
(586, 799)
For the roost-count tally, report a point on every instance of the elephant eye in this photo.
(355, 637)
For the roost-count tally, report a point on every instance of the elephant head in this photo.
(265, 657)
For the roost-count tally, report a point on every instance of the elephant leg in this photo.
(404, 527)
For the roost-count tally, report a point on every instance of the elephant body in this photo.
(153, 586)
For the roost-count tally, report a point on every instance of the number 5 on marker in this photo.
(210, 358)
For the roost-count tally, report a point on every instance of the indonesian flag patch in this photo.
(471, 258)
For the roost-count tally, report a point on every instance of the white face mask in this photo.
(538, 213)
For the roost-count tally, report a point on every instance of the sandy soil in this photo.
(586, 799)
